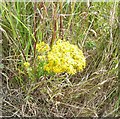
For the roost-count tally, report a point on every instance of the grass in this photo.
(93, 92)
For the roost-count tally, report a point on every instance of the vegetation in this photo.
(60, 59)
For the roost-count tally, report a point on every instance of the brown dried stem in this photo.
(54, 15)
(35, 26)
(61, 21)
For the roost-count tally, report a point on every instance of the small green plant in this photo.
(90, 45)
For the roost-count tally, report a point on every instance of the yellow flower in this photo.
(71, 70)
(26, 64)
(56, 69)
(65, 57)
(42, 47)
(42, 57)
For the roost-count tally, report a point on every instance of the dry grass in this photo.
(93, 92)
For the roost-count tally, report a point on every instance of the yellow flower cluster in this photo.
(26, 64)
(42, 47)
(64, 57)
(43, 57)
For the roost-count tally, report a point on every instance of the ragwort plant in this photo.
(63, 57)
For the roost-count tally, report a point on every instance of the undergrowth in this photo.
(93, 29)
